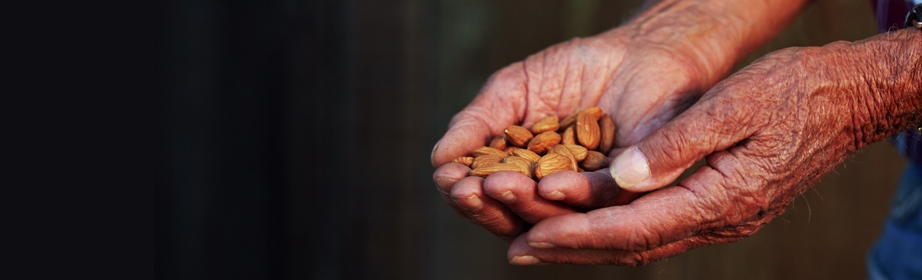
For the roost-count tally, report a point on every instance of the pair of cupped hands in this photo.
(767, 133)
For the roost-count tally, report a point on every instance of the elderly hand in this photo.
(641, 83)
(768, 133)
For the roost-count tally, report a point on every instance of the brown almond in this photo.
(509, 150)
(526, 154)
(548, 123)
(568, 137)
(527, 167)
(551, 163)
(540, 143)
(485, 159)
(488, 151)
(594, 161)
(486, 170)
(607, 131)
(518, 136)
(568, 121)
(579, 152)
(595, 112)
(464, 160)
(498, 142)
(563, 150)
(587, 130)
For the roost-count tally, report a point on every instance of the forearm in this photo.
(716, 33)
(888, 79)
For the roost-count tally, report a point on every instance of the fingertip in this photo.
(446, 176)
(503, 185)
(432, 153)
(631, 169)
(558, 185)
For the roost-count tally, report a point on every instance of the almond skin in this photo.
(544, 141)
(526, 154)
(579, 152)
(518, 136)
(464, 160)
(488, 169)
(485, 159)
(568, 121)
(607, 131)
(498, 142)
(564, 151)
(594, 161)
(527, 167)
(548, 123)
(488, 151)
(587, 130)
(509, 150)
(551, 163)
(568, 137)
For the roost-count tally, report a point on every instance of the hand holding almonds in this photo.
(579, 142)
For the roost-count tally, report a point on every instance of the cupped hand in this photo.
(640, 83)
(767, 133)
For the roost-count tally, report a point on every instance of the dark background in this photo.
(297, 137)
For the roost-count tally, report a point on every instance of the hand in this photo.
(642, 84)
(767, 133)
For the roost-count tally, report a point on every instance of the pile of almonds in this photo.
(578, 143)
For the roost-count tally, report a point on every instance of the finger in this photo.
(484, 211)
(588, 190)
(518, 193)
(500, 104)
(520, 253)
(445, 178)
(658, 159)
(657, 218)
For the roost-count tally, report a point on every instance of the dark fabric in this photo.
(891, 13)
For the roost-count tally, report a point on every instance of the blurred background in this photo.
(298, 136)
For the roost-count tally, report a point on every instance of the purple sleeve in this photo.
(891, 13)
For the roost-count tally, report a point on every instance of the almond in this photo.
(595, 112)
(518, 136)
(488, 151)
(464, 160)
(488, 169)
(594, 161)
(526, 154)
(551, 163)
(540, 143)
(587, 130)
(548, 123)
(485, 159)
(607, 131)
(568, 121)
(498, 142)
(579, 152)
(564, 151)
(568, 137)
(509, 150)
(527, 167)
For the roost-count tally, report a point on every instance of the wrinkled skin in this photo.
(642, 84)
(767, 133)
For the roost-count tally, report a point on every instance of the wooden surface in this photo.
(299, 135)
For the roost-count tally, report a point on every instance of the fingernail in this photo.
(554, 195)
(630, 168)
(541, 245)
(432, 154)
(524, 260)
(506, 197)
(469, 203)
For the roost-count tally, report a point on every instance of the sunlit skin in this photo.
(768, 132)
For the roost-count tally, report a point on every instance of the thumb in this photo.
(662, 156)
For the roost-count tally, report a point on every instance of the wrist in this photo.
(714, 35)
(885, 74)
